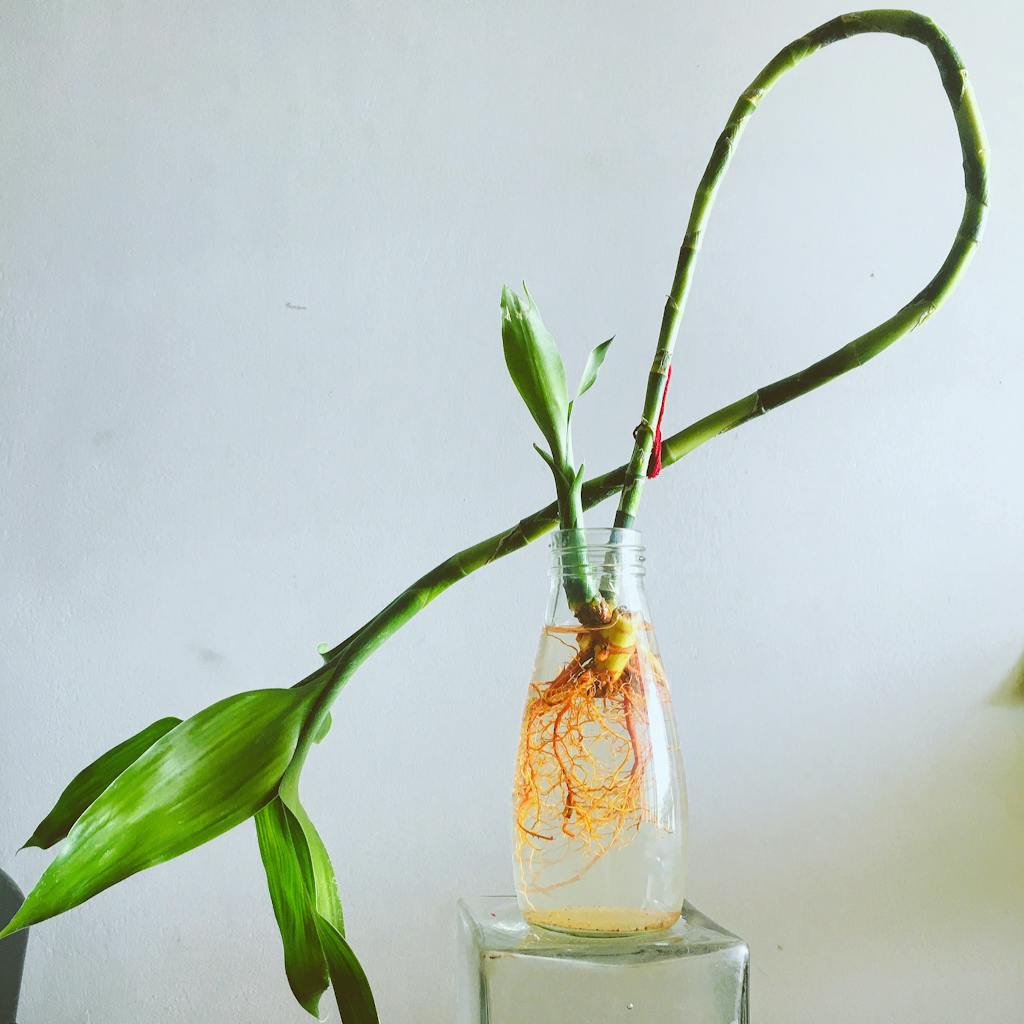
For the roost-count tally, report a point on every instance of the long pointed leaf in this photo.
(289, 869)
(590, 371)
(587, 381)
(204, 777)
(325, 884)
(313, 943)
(536, 368)
(351, 989)
(87, 785)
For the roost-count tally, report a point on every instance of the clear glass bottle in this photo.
(599, 806)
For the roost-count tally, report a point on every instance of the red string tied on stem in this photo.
(654, 465)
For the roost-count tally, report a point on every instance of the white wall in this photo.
(201, 481)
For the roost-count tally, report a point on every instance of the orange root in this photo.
(581, 774)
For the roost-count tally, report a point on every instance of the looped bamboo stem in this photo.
(343, 660)
(972, 143)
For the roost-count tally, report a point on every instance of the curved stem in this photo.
(972, 143)
(343, 660)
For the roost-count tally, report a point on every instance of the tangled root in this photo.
(581, 773)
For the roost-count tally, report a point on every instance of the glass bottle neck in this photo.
(594, 572)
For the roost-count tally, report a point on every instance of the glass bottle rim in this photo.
(608, 538)
(609, 550)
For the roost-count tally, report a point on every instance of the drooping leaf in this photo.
(202, 778)
(590, 371)
(301, 879)
(87, 785)
(536, 368)
(351, 989)
(323, 729)
(325, 892)
(289, 870)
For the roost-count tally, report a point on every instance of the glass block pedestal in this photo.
(514, 973)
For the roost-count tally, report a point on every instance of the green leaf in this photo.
(576, 492)
(202, 778)
(536, 368)
(290, 879)
(325, 891)
(351, 989)
(594, 361)
(547, 458)
(314, 944)
(323, 729)
(83, 789)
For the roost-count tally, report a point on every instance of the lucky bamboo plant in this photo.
(177, 784)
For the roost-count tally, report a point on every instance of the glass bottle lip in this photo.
(611, 549)
(596, 536)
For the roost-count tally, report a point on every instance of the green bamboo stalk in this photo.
(972, 143)
(343, 660)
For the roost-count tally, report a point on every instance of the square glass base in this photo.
(514, 973)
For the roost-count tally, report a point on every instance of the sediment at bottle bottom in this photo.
(602, 920)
